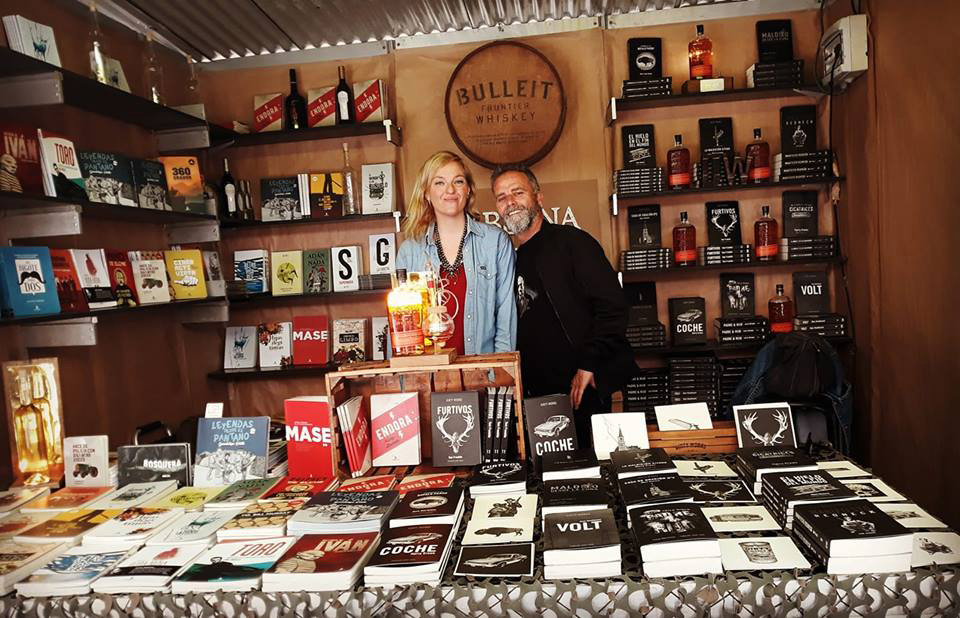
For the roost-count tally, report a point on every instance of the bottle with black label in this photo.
(294, 106)
(345, 111)
(780, 312)
(684, 242)
(228, 194)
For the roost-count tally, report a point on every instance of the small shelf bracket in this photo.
(192, 232)
(62, 333)
(396, 220)
(29, 90)
(614, 206)
(612, 111)
(40, 222)
(393, 133)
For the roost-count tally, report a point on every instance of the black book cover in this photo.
(854, 519)
(342, 505)
(428, 503)
(154, 462)
(572, 460)
(107, 177)
(670, 523)
(550, 427)
(279, 197)
(500, 473)
(641, 460)
(774, 40)
(737, 295)
(798, 129)
(580, 530)
(644, 58)
(800, 214)
(716, 138)
(786, 487)
(456, 426)
(772, 457)
(513, 560)
(723, 224)
(643, 225)
(642, 296)
(811, 292)
(490, 406)
(639, 146)
(719, 490)
(574, 492)
(412, 545)
(688, 320)
(150, 184)
(653, 488)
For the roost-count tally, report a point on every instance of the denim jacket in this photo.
(490, 308)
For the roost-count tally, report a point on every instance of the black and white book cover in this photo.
(774, 40)
(740, 518)
(643, 225)
(738, 295)
(873, 489)
(496, 519)
(279, 198)
(787, 488)
(150, 183)
(589, 529)
(512, 560)
(639, 146)
(720, 490)
(703, 468)
(423, 503)
(798, 129)
(764, 424)
(773, 458)
(688, 320)
(935, 548)
(411, 546)
(566, 493)
(847, 521)
(154, 462)
(550, 427)
(108, 178)
(500, 473)
(618, 431)
(910, 515)
(716, 138)
(638, 462)
(644, 58)
(456, 429)
(569, 460)
(641, 297)
(811, 292)
(670, 523)
(654, 489)
(761, 554)
(333, 507)
(723, 224)
(842, 469)
(801, 214)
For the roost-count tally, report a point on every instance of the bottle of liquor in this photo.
(345, 112)
(758, 159)
(350, 196)
(780, 311)
(766, 237)
(294, 106)
(684, 242)
(405, 314)
(678, 165)
(700, 52)
(228, 193)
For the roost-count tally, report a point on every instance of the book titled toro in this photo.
(310, 448)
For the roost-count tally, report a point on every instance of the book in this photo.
(231, 566)
(764, 424)
(428, 506)
(438, 480)
(644, 58)
(121, 278)
(370, 101)
(150, 277)
(688, 322)
(618, 432)
(31, 38)
(643, 224)
(672, 532)
(703, 468)
(383, 251)
(456, 426)
(20, 170)
(582, 538)
(572, 495)
(811, 292)
(774, 40)
(311, 340)
(380, 338)
(316, 271)
(491, 521)
(184, 184)
(719, 490)
(311, 452)
(69, 289)
(638, 491)
(66, 499)
(132, 527)
(414, 554)
(12, 524)
(873, 490)
(641, 297)
(185, 270)
(267, 112)
(61, 170)
(274, 341)
(150, 569)
(286, 268)
(395, 429)
(505, 561)
(231, 449)
(852, 529)
(349, 340)
(761, 554)
(379, 482)
(641, 462)
(188, 498)
(197, 528)
(107, 177)
(500, 478)
(354, 418)
(27, 283)
(550, 427)
(18, 560)
(321, 562)
(150, 184)
(343, 512)
(842, 469)
(13, 498)
(638, 146)
(738, 295)
(261, 519)
(935, 548)
(716, 138)
(252, 266)
(347, 265)
(326, 194)
(72, 572)
(377, 188)
(581, 463)
(279, 198)
(723, 224)
(240, 347)
(213, 274)
(299, 488)
(910, 515)
(86, 461)
(242, 493)
(134, 494)
(91, 268)
(739, 518)
(801, 218)
(798, 129)
(66, 527)
(147, 463)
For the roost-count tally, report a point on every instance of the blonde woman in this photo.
(474, 260)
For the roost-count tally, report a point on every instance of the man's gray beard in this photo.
(519, 221)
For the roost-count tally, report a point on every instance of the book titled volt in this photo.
(279, 198)
(638, 146)
(644, 58)
(737, 295)
(154, 462)
(231, 449)
(455, 422)
(550, 427)
(688, 321)
(812, 292)
(27, 284)
(643, 225)
(798, 129)
(108, 178)
(716, 138)
(723, 224)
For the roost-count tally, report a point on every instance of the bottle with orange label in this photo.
(700, 53)
(678, 165)
(684, 242)
(405, 313)
(780, 312)
(758, 159)
(766, 237)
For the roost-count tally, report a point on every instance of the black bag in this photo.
(803, 367)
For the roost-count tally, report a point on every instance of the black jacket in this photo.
(584, 291)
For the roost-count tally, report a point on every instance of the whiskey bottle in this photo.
(678, 165)
(294, 106)
(700, 53)
(766, 237)
(684, 242)
(350, 197)
(405, 314)
(758, 159)
(780, 311)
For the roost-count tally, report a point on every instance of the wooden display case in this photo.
(721, 439)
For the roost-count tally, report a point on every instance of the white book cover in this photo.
(739, 518)
(395, 429)
(764, 424)
(502, 508)
(91, 267)
(910, 515)
(13, 499)
(765, 553)
(60, 165)
(380, 339)
(216, 286)
(692, 468)
(31, 38)
(683, 417)
(873, 490)
(135, 494)
(383, 252)
(378, 188)
(194, 528)
(232, 565)
(347, 265)
(151, 568)
(72, 572)
(17, 560)
(349, 340)
(930, 548)
(621, 431)
(484, 530)
(842, 469)
(150, 276)
(86, 461)
(276, 344)
(240, 348)
(133, 526)
(252, 266)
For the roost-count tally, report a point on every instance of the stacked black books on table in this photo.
(649, 388)
(802, 166)
(646, 259)
(788, 74)
(646, 335)
(823, 324)
(581, 544)
(732, 371)
(640, 181)
(811, 247)
(711, 173)
(752, 464)
(731, 254)
(675, 540)
(783, 491)
(694, 379)
(741, 331)
(374, 282)
(649, 87)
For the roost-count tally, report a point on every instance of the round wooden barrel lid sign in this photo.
(505, 104)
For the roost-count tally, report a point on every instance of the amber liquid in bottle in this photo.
(758, 159)
(678, 165)
(684, 242)
(780, 311)
(405, 313)
(700, 52)
(766, 237)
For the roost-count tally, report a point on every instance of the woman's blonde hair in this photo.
(419, 211)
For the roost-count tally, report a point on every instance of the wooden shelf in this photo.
(618, 198)
(19, 203)
(630, 276)
(712, 346)
(243, 375)
(391, 134)
(99, 313)
(260, 300)
(724, 96)
(228, 224)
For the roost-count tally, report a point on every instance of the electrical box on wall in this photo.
(843, 52)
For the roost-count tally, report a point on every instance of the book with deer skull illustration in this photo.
(455, 421)
(719, 490)
(764, 424)
(723, 224)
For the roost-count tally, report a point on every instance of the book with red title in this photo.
(381, 482)
(69, 288)
(20, 170)
(395, 429)
(310, 432)
(296, 488)
(355, 427)
(311, 340)
(319, 562)
(426, 481)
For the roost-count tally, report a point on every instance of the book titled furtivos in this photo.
(643, 225)
(455, 422)
(638, 146)
(550, 427)
(231, 449)
(723, 224)
(154, 462)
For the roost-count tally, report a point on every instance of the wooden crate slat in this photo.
(448, 381)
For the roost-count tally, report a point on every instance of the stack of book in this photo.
(649, 388)
(508, 478)
(741, 331)
(354, 417)
(231, 566)
(64, 499)
(805, 248)
(711, 173)
(642, 491)
(135, 494)
(67, 527)
(188, 498)
(149, 570)
(732, 254)
(823, 324)
(675, 540)
(260, 520)
(429, 506)
(632, 181)
(787, 74)
(573, 495)
(506, 561)
(410, 555)
(339, 512)
(852, 538)
(732, 371)
(641, 462)
(133, 527)
(647, 87)
(499, 424)
(647, 335)
(197, 528)
(241, 494)
(783, 491)
(802, 166)
(578, 545)
(18, 560)
(496, 519)
(693, 379)
(753, 463)
(321, 562)
(579, 464)
(293, 488)
(646, 259)
(72, 572)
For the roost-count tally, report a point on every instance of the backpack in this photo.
(803, 367)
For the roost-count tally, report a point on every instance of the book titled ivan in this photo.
(321, 562)
(455, 422)
(311, 452)
(395, 429)
(146, 463)
(27, 284)
(86, 461)
(20, 171)
(240, 347)
(231, 449)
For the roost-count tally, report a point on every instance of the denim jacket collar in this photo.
(473, 227)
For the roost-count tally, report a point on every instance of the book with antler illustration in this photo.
(764, 424)
(455, 422)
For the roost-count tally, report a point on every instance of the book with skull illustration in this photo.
(149, 277)
(354, 417)
(276, 346)
(641, 462)
(811, 292)
(108, 178)
(568, 495)
(429, 506)
(761, 554)
(61, 169)
(135, 494)
(321, 562)
(395, 429)
(550, 427)
(150, 184)
(455, 420)
(716, 138)
(643, 225)
(738, 295)
(279, 198)
(185, 270)
(234, 566)
(231, 449)
(413, 554)
(719, 490)
(20, 170)
(498, 519)
(286, 268)
(723, 224)
(639, 491)
(764, 424)
(798, 129)
(638, 146)
(148, 570)
(342, 512)
(587, 543)
(91, 268)
(240, 348)
(511, 560)
(311, 436)
(86, 461)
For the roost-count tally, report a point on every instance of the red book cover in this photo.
(382, 482)
(295, 488)
(426, 481)
(20, 170)
(121, 278)
(355, 426)
(395, 428)
(310, 448)
(69, 289)
(311, 340)
(325, 553)
(66, 499)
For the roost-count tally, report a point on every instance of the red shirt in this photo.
(457, 286)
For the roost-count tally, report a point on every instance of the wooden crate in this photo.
(721, 439)
(468, 373)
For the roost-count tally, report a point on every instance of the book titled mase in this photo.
(311, 451)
